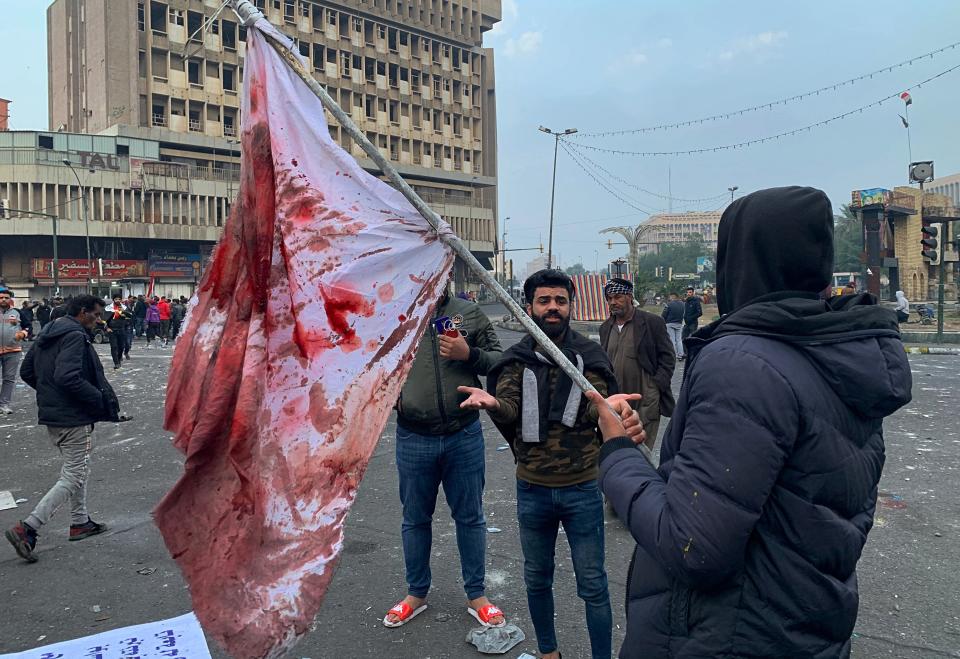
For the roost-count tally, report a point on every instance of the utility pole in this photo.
(553, 189)
(86, 225)
(503, 252)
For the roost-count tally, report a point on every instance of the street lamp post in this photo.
(553, 189)
(731, 190)
(503, 252)
(56, 259)
(86, 224)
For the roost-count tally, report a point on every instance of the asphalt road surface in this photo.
(908, 575)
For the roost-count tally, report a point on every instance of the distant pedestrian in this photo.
(641, 353)
(902, 308)
(72, 395)
(59, 309)
(27, 318)
(11, 335)
(43, 312)
(117, 321)
(176, 318)
(163, 307)
(692, 311)
(129, 303)
(139, 314)
(152, 321)
(673, 316)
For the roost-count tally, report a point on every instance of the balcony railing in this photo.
(158, 120)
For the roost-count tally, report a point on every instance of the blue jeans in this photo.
(579, 508)
(138, 326)
(456, 461)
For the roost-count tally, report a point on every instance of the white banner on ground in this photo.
(179, 637)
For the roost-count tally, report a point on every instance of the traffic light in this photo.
(609, 244)
(541, 248)
(930, 243)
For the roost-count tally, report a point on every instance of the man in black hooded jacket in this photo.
(749, 533)
(72, 395)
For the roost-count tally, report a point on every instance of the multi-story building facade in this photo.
(151, 214)
(679, 227)
(413, 74)
(946, 185)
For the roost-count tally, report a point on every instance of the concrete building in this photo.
(679, 227)
(413, 74)
(534, 265)
(946, 185)
(152, 209)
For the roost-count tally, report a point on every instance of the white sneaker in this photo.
(6, 410)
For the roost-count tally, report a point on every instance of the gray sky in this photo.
(610, 64)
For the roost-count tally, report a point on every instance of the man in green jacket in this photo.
(440, 443)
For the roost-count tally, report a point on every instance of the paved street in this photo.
(908, 574)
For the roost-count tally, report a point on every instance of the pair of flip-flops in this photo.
(405, 613)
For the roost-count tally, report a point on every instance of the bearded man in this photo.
(552, 430)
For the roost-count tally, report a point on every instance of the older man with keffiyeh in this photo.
(641, 353)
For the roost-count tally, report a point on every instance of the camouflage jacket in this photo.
(566, 456)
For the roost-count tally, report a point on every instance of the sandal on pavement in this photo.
(404, 612)
(485, 613)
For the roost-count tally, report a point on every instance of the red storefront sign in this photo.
(80, 268)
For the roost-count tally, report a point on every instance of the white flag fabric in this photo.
(293, 353)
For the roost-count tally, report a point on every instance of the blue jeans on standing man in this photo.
(579, 508)
(455, 461)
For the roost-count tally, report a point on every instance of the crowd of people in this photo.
(748, 529)
(750, 526)
(157, 319)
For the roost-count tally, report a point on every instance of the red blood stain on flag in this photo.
(292, 333)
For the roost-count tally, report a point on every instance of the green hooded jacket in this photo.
(429, 402)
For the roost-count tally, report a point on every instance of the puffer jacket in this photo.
(67, 373)
(429, 403)
(749, 533)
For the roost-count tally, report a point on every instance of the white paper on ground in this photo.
(177, 637)
(6, 500)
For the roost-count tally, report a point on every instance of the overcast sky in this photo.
(609, 64)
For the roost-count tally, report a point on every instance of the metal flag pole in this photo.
(249, 14)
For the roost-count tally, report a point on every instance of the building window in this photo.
(304, 9)
(332, 17)
(288, 11)
(381, 32)
(141, 18)
(357, 25)
(229, 78)
(193, 73)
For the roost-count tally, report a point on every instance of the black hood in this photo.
(54, 331)
(852, 341)
(779, 239)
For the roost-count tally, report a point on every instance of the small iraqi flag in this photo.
(905, 97)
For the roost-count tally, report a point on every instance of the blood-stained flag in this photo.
(294, 351)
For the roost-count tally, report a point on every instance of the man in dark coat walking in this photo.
(749, 533)
(641, 353)
(692, 310)
(72, 395)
